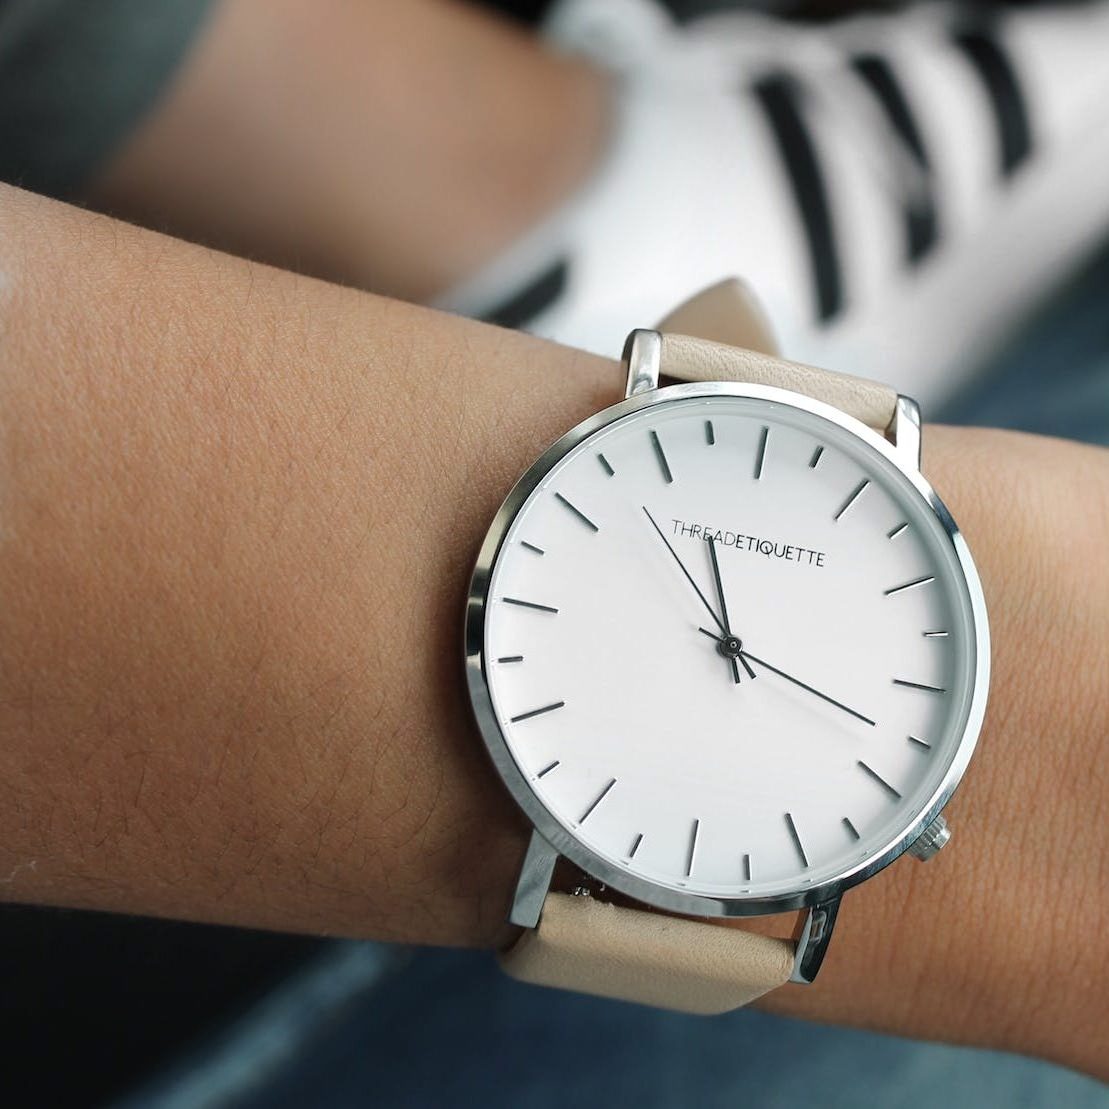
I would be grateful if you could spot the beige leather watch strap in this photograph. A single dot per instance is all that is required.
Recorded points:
(690, 359)
(734, 343)
(591, 946)
(726, 312)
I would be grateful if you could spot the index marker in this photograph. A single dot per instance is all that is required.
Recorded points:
(577, 512)
(880, 780)
(856, 492)
(660, 454)
(918, 685)
(600, 797)
(762, 453)
(536, 712)
(909, 585)
(796, 840)
(529, 604)
(692, 848)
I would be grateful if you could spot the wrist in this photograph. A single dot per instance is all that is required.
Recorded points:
(240, 512)
(981, 946)
(238, 636)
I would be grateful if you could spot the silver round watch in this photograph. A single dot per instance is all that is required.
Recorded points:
(726, 646)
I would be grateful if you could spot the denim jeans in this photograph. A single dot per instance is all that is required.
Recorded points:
(370, 1025)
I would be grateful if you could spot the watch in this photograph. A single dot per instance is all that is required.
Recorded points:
(729, 653)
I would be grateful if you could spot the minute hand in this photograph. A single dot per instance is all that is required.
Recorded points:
(815, 692)
(688, 576)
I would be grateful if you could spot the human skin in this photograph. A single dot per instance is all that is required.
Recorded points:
(238, 511)
(391, 146)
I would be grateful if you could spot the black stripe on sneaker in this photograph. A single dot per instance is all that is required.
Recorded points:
(779, 95)
(537, 295)
(920, 216)
(999, 79)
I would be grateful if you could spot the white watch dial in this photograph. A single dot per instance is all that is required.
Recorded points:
(740, 747)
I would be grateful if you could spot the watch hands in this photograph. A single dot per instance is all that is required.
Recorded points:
(735, 651)
(688, 576)
(789, 678)
(733, 659)
(822, 696)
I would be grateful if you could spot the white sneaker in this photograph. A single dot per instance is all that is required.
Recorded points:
(900, 189)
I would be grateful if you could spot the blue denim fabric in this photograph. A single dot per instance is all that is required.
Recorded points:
(1054, 377)
(373, 1026)
(449, 1030)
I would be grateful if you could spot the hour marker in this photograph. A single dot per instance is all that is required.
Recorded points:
(537, 712)
(692, 847)
(528, 604)
(532, 547)
(600, 797)
(814, 461)
(895, 532)
(918, 685)
(851, 830)
(511, 658)
(935, 635)
(908, 585)
(710, 433)
(920, 742)
(547, 769)
(660, 454)
(762, 453)
(880, 780)
(796, 839)
(747, 868)
(851, 499)
(606, 465)
(635, 845)
(577, 512)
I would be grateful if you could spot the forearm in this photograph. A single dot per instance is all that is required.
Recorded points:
(238, 512)
(296, 134)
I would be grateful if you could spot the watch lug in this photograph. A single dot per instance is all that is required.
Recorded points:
(904, 431)
(642, 356)
(533, 883)
(813, 944)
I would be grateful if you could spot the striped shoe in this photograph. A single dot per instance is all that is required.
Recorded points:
(900, 189)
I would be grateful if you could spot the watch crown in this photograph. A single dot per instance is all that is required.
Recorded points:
(931, 840)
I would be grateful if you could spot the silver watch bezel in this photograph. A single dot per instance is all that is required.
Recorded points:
(563, 841)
